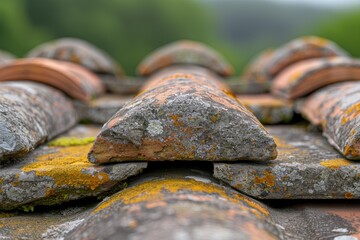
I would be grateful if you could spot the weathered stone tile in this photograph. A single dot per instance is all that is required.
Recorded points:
(183, 113)
(72, 79)
(307, 219)
(5, 57)
(60, 172)
(242, 86)
(124, 86)
(255, 77)
(53, 224)
(268, 108)
(100, 110)
(307, 76)
(270, 63)
(80, 52)
(336, 109)
(307, 167)
(187, 207)
(31, 113)
(185, 52)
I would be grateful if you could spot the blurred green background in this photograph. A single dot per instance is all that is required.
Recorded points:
(129, 29)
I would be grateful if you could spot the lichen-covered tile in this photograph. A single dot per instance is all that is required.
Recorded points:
(77, 51)
(6, 57)
(336, 108)
(31, 114)
(70, 78)
(183, 113)
(307, 76)
(254, 78)
(100, 110)
(185, 52)
(327, 219)
(51, 224)
(307, 167)
(268, 108)
(186, 207)
(270, 63)
(60, 172)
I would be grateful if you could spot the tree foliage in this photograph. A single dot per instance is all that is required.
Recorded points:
(343, 29)
(126, 29)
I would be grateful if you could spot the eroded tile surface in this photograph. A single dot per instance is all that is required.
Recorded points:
(102, 109)
(183, 113)
(268, 108)
(336, 109)
(307, 167)
(31, 113)
(191, 207)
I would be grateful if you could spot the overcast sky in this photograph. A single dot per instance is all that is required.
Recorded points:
(328, 3)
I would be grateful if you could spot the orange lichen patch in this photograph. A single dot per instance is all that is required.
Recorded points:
(156, 190)
(349, 195)
(175, 118)
(335, 164)
(265, 100)
(66, 168)
(268, 179)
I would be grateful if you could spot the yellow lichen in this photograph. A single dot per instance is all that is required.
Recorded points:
(7, 215)
(154, 191)
(334, 164)
(281, 143)
(71, 141)
(66, 168)
(268, 179)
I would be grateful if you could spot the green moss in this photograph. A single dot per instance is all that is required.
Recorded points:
(71, 141)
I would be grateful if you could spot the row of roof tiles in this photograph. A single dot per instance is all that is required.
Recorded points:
(184, 111)
(296, 69)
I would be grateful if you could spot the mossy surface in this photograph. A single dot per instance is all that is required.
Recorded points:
(71, 141)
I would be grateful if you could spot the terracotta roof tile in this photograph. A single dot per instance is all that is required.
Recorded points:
(72, 79)
(185, 52)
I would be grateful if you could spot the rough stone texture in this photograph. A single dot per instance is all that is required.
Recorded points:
(270, 63)
(185, 52)
(49, 225)
(268, 108)
(186, 204)
(101, 109)
(338, 220)
(248, 87)
(31, 113)
(178, 207)
(336, 109)
(57, 174)
(122, 85)
(307, 76)
(254, 74)
(5, 57)
(80, 52)
(183, 113)
(70, 78)
(307, 167)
